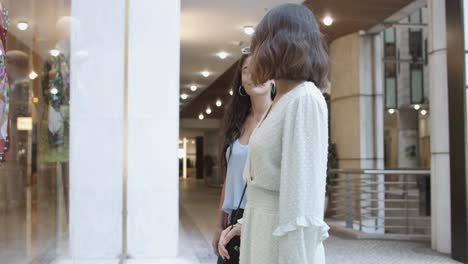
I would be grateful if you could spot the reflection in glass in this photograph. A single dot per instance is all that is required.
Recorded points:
(35, 96)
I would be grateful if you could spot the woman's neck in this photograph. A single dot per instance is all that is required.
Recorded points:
(283, 86)
(260, 104)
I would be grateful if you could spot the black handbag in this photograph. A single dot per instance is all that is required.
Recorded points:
(233, 247)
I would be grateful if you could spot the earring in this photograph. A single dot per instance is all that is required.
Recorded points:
(240, 91)
(273, 88)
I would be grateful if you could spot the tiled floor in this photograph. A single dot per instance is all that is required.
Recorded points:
(199, 203)
(38, 235)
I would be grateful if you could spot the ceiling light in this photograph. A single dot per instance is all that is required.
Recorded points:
(249, 30)
(222, 55)
(208, 110)
(201, 116)
(54, 52)
(423, 112)
(33, 75)
(193, 88)
(391, 111)
(219, 103)
(22, 26)
(416, 107)
(193, 142)
(205, 73)
(231, 92)
(327, 20)
(184, 96)
(54, 90)
(180, 141)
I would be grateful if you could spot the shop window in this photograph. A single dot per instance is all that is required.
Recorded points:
(390, 68)
(417, 83)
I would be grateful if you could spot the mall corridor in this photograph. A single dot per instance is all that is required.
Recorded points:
(197, 213)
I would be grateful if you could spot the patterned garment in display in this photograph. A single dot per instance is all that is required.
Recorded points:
(54, 126)
(286, 175)
(4, 87)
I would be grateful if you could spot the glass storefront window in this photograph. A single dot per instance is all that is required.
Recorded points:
(390, 68)
(417, 83)
(34, 126)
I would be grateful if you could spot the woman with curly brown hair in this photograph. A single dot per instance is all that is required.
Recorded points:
(287, 160)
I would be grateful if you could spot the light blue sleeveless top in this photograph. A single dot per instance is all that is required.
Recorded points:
(234, 177)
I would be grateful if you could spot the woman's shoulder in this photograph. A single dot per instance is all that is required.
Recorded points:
(307, 93)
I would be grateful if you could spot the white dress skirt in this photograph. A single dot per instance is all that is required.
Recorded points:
(286, 175)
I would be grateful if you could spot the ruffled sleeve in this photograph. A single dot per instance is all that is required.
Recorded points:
(301, 228)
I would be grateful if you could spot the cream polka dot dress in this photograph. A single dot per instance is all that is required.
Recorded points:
(286, 175)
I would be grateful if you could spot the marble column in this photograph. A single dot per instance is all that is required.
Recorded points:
(153, 131)
(96, 139)
(438, 97)
(356, 101)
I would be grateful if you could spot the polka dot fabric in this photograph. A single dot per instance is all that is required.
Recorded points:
(286, 175)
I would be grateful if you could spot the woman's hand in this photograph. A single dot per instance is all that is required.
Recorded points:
(215, 241)
(222, 223)
(225, 237)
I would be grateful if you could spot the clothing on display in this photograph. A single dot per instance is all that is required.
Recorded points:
(54, 126)
(4, 87)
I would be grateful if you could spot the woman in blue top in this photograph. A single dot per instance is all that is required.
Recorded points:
(248, 104)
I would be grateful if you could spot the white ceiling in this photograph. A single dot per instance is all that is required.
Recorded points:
(211, 26)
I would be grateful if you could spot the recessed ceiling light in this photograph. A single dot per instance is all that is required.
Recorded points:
(423, 112)
(327, 20)
(205, 73)
(184, 96)
(193, 142)
(54, 90)
(33, 75)
(22, 25)
(231, 92)
(416, 107)
(201, 116)
(54, 52)
(249, 30)
(391, 111)
(208, 110)
(193, 88)
(222, 55)
(219, 103)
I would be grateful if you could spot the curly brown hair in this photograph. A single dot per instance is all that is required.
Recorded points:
(288, 44)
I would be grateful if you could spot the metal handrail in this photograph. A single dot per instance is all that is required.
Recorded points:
(381, 172)
(381, 201)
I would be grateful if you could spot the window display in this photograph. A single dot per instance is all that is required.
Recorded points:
(4, 87)
(34, 125)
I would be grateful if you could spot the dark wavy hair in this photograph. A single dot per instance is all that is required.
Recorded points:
(288, 44)
(236, 113)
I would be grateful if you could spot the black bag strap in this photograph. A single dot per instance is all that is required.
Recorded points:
(240, 202)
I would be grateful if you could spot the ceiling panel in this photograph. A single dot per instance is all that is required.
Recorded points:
(349, 16)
